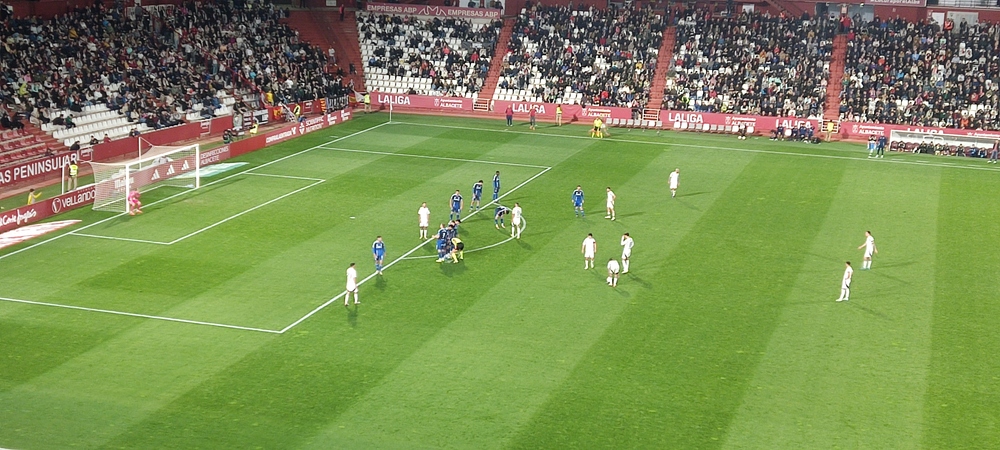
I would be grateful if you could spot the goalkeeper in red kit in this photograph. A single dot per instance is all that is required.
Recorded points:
(134, 205)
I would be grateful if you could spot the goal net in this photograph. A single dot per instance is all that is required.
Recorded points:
(156, 167)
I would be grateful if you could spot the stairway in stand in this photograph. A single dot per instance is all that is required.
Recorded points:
(323, 28)
(789, 7)
(663, 64)
(50, 142)
(831, 111)
(496, 66)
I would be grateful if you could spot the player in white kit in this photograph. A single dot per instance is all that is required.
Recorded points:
(845, 287)
(352, 285)
(870, 250)
(674, 182)
(589, 250)
(613, 269)
(515, 221)
(627, 244)
(424, 213)
(611, 204)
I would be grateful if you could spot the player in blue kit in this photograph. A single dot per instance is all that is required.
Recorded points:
(880, 147)
(378, 252)
(496, 185)
(578, 202)
(442, 237)
(498, 216)
(456, 206)
(477, 195)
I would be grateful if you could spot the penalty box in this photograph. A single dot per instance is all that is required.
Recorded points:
(172, 219)
(270, 297)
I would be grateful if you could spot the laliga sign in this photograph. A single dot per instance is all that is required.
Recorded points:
(686, 117)
(393, 99)
(527, 107)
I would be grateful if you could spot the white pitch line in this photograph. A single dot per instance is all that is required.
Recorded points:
(373, 152)
(227, 219)
(144, 316)
(317, 181)
(408, 253)
(206, 184)
(284, 176)
(143, 241)
(733, 149)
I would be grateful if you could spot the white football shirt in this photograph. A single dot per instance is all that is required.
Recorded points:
(613, 266)
(627, 244)
(352, 277)
(425, 215)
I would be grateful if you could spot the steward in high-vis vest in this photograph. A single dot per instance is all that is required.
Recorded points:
(73, 172)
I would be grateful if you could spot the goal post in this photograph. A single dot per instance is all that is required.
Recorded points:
(157, 166)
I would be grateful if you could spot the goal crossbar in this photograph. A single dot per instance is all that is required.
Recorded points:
(158, 166)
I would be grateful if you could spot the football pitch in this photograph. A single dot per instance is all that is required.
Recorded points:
(216, 318)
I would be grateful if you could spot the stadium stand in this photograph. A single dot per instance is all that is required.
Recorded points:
(448, 57)
(751, 63)
(582, 56)
(99, 73)
(901, 72)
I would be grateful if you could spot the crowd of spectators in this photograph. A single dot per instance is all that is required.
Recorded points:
(596, 56)
(451, 56)
(751, 63)
(923, 73)
(155, 64)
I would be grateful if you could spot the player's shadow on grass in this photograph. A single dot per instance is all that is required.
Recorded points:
(692, 194)
(686, 203)
(870, 311)
(636, 280)
(633, 214)
(380, 283)
(450, 269)
(352, 316)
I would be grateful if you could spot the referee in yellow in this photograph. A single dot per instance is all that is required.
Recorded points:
(596, 132)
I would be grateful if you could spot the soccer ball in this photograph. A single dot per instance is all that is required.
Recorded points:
(609, 280)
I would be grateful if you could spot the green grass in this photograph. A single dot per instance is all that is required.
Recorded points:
(724, 335)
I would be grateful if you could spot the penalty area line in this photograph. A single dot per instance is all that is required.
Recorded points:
(143, 316)
(410, 252)
(113, 238)
(442, 158)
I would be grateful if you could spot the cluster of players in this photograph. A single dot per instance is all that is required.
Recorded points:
(803, 132)
(449, 244)
(876, 147)
(589, 250)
